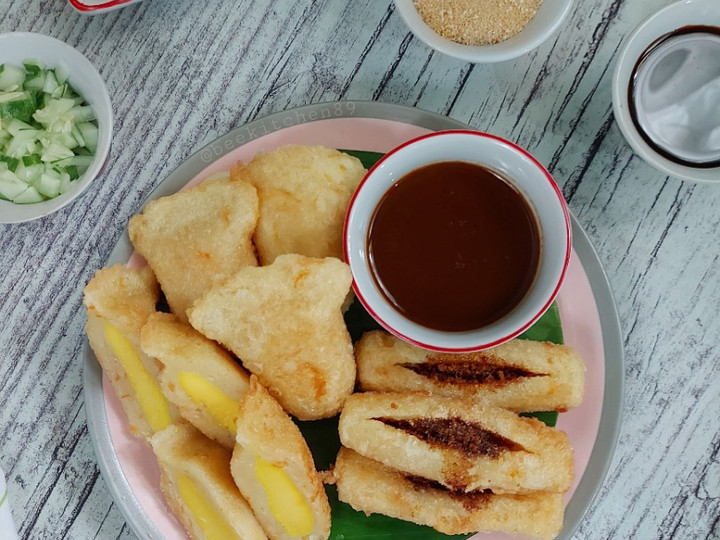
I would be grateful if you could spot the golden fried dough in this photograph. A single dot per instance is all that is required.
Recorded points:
(519, 375)
(274, 469)
(284, 322)
(119, 300)
(196, 238)
(304, 195)
(196, 482)
(370, 487)
(465, 445)
(200, 377)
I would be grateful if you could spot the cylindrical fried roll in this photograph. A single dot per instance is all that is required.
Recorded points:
(273, 468)
(201, 378)
(371, 487)
(462, 444)
(196, 482)
(520, 375)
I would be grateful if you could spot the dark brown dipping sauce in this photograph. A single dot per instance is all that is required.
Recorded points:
(453, 246)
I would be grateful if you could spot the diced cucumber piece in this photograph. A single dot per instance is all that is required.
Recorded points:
(21, 144)
(83, 114)
(10, 162)
(30, 173)
(29, 196)
(11, 77)
(55, 152)
(81, 162)
(20, 105)
(77, 135)
(90, 134)
(72, 172)
(17, 127)
(48, 185)
(10, 185)
(32, 67)
(36, 83)
(51, 83)
(57, 110)
(62, 72)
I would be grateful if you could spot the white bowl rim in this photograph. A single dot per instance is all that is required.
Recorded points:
(642, 37)
(19, 213)
(498, 52)
(495, 341)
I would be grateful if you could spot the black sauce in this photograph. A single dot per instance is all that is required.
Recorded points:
(647, 53)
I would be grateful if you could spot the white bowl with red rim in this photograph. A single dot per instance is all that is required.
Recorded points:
(519, 169)
(92, 7)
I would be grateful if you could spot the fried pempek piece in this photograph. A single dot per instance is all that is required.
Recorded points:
(284, 322)
(371, 487)
(196, 482)
(196, 238)
(201, 378)
(274, 469)
(304, 195)
(119, 300)
(463, 444)
(520, 375)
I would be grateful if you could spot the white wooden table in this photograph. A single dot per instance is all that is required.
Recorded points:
(181, 73)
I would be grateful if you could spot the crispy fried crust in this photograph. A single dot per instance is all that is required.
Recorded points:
(304, 194)
(284, 322)
(124, 298)
(520, 375)
(196, 238)
(182, 450)
(182, 349)
(265, 431)
(462, 444)
(371, 487)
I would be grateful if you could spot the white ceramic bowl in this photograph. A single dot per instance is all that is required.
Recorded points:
(548, 18)
(16, 47)
(668, 19)
(514, 164)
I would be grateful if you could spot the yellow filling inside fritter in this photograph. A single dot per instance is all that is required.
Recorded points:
(205, 394)
(286, 503)
(210, 520)
(147, 391)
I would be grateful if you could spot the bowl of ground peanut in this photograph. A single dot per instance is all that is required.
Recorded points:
(483, 31)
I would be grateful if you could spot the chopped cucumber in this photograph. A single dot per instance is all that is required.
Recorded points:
(48, 132)
(20, 105)
(11, 77)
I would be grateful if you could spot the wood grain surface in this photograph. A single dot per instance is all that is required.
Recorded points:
(182, 72)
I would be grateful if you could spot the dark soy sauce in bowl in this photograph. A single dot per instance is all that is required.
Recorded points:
(674, 96)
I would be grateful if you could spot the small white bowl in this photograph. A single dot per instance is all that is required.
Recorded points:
(512, 163)
(670, 18)
(548, 18)
(16, 47)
